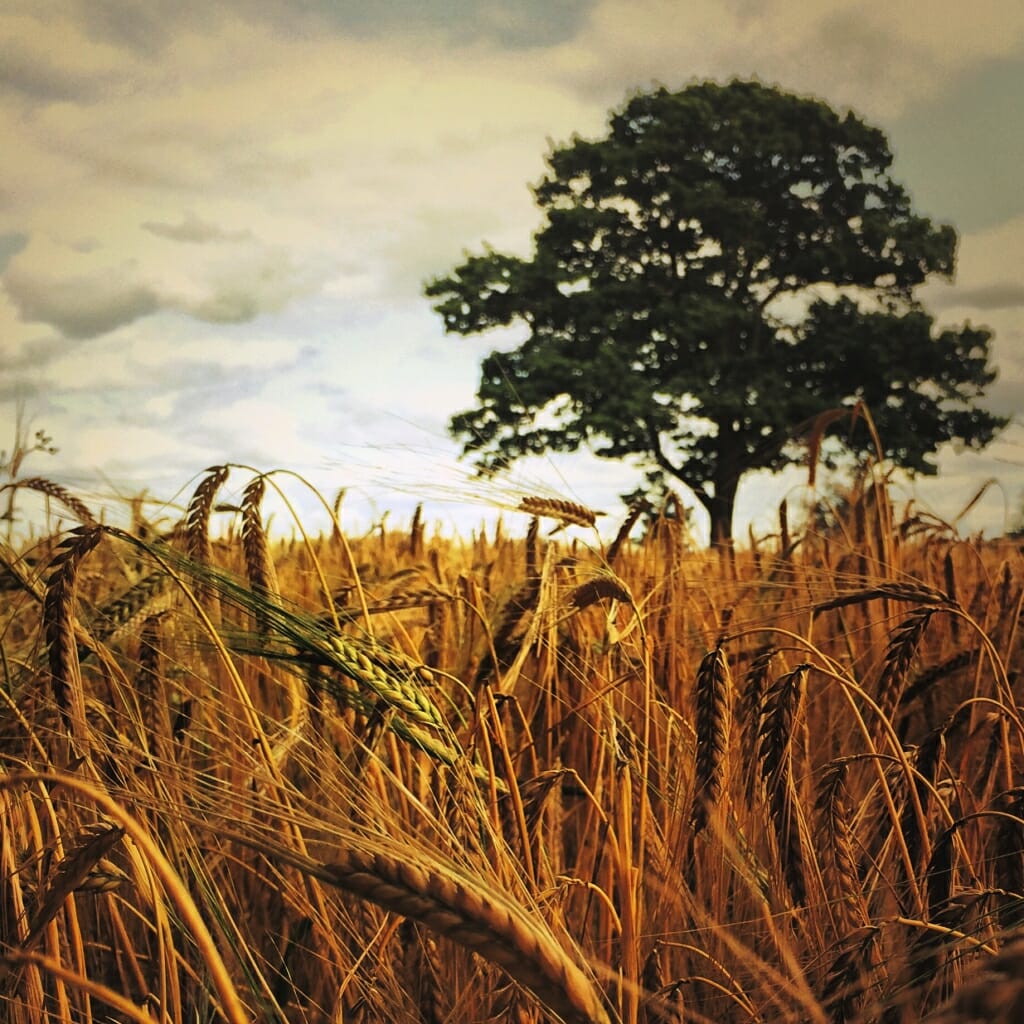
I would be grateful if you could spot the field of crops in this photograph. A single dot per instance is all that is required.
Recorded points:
(522, 776)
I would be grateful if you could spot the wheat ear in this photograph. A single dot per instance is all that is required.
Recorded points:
(483, 921)
(258, 564)
(568, 513)
(714, 689)
(59, 619)
(61, 494)
(776, 752)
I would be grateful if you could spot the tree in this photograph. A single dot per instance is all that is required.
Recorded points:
(729, 262)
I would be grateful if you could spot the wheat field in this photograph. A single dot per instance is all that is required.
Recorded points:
(524, 775)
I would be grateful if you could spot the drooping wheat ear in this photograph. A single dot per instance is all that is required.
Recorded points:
(59, 624)
(418, 597)
(58, 493)
(751, 714)
(568, 513)
(476, 917)
(636, 510)
(903, 646)
(851, 975)
(259, 566)
(197, 516)
(912, 592)
(834, 814)
(605, 585)
(782, 707)
(995, 992)
(713, 695)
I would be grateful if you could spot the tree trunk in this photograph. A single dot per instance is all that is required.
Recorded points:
(723, 503)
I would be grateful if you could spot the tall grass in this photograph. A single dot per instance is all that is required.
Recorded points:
(401, 777)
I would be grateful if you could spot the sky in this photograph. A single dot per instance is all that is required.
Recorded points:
(216, 220)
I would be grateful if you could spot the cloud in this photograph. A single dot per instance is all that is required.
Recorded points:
(10, 245)
(147, 29)
(879, 58)
(47, 57)
(84, 294)
(194, 229)
(80, 305)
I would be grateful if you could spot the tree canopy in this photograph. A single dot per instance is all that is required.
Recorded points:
(728, 263)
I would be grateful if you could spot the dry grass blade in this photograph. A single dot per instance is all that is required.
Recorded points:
(1008, 858)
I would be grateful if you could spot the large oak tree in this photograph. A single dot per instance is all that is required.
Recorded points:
(728, 263)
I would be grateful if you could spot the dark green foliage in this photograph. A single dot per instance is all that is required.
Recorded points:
(727, 264)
